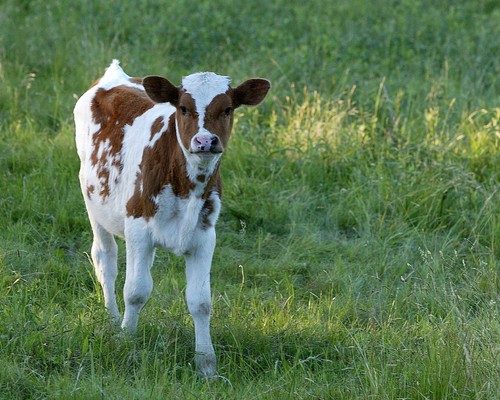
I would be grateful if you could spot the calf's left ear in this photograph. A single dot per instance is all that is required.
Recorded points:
(161, 90)
(250, 92)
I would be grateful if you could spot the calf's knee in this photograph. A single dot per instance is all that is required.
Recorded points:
(199, 309)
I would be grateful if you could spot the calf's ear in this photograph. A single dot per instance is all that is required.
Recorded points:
(251, 92)
(161, 90)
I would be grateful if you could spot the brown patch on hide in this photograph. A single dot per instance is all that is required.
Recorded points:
(164, 165)
(214, 184)
(113, 109)
(219, 118)
(201, 178)
(156, 127)
(140, 204)
(187, 119)
(90, 190)
(206, 212)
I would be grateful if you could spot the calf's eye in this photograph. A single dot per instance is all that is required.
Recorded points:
(184, 110)
(228, 111)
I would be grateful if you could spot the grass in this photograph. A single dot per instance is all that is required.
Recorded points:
(358, 246)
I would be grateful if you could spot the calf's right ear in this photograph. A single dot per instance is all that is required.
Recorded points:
(161, 90)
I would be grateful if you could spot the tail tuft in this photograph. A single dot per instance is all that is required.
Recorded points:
(114, 74)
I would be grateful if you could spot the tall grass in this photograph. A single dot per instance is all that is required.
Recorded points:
(358, 246)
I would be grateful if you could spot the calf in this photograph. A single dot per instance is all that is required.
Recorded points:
(150, 154)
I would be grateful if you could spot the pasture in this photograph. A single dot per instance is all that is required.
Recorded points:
(358, 248)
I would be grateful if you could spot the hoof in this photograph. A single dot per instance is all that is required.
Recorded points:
(206, 365)
(116, 320)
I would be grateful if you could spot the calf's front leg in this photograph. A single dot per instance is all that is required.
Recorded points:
(138, 280)
(198, 263)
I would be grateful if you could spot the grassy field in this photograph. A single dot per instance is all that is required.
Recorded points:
(358, 251)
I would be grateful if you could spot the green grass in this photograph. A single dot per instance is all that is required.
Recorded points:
(358, 248)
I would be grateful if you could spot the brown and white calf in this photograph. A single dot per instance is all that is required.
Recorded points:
(150, 154)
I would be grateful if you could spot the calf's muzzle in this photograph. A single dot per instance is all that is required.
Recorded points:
(207, 143)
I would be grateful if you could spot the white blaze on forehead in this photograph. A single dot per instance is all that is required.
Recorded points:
(204, 86)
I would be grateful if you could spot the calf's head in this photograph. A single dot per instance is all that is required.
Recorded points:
(205, 103)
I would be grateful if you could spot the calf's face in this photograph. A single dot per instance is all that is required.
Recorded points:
(205, 103)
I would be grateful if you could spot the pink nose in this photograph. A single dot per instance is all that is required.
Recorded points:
(205, 142)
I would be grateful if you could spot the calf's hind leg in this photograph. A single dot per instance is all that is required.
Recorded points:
(105, 257)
